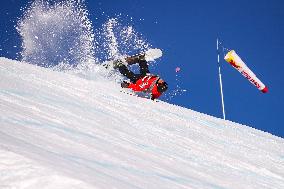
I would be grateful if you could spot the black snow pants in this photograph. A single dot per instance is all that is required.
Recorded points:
(144, 70)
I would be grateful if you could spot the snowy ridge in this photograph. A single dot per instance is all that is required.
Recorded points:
(59, 130)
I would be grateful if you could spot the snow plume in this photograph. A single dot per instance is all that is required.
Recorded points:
(115, 39)
(56, 32)
(59, 34)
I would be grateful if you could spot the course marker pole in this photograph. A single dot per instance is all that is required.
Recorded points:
(220, 81)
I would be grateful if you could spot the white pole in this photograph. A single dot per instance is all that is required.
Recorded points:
(220, 80)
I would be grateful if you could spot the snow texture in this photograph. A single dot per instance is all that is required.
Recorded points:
(60, 130)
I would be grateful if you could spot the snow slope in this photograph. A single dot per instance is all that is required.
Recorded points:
(59, 130)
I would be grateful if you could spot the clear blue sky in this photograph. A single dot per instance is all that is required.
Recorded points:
(186, 31)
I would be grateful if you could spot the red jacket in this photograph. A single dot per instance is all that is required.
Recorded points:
(146, 84)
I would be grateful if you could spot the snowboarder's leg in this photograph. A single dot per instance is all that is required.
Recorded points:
(144, 68)
(135, 59)
(140, 59)
(127, 73)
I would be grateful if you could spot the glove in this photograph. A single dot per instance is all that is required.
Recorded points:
(124, 84)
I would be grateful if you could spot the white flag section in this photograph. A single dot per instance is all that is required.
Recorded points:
(239, 65)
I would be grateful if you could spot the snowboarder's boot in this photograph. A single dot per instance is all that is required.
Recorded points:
(135, 59)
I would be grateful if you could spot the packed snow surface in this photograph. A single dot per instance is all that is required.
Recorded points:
(60, 130)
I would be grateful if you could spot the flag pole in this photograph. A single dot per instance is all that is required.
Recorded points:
(220, 81)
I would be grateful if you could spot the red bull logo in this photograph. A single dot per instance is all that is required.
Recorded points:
(234, 64)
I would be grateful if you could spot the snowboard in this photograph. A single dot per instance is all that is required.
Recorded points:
(150, 55)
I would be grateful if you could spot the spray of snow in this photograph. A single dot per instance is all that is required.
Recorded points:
(56, 33)
(114, 40)
(60, 35)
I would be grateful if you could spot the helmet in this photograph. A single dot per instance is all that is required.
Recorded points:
(162, 86)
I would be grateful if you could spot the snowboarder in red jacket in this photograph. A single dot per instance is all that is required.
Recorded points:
(143, 82)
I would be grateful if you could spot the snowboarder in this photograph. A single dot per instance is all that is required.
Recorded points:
(143, 82)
